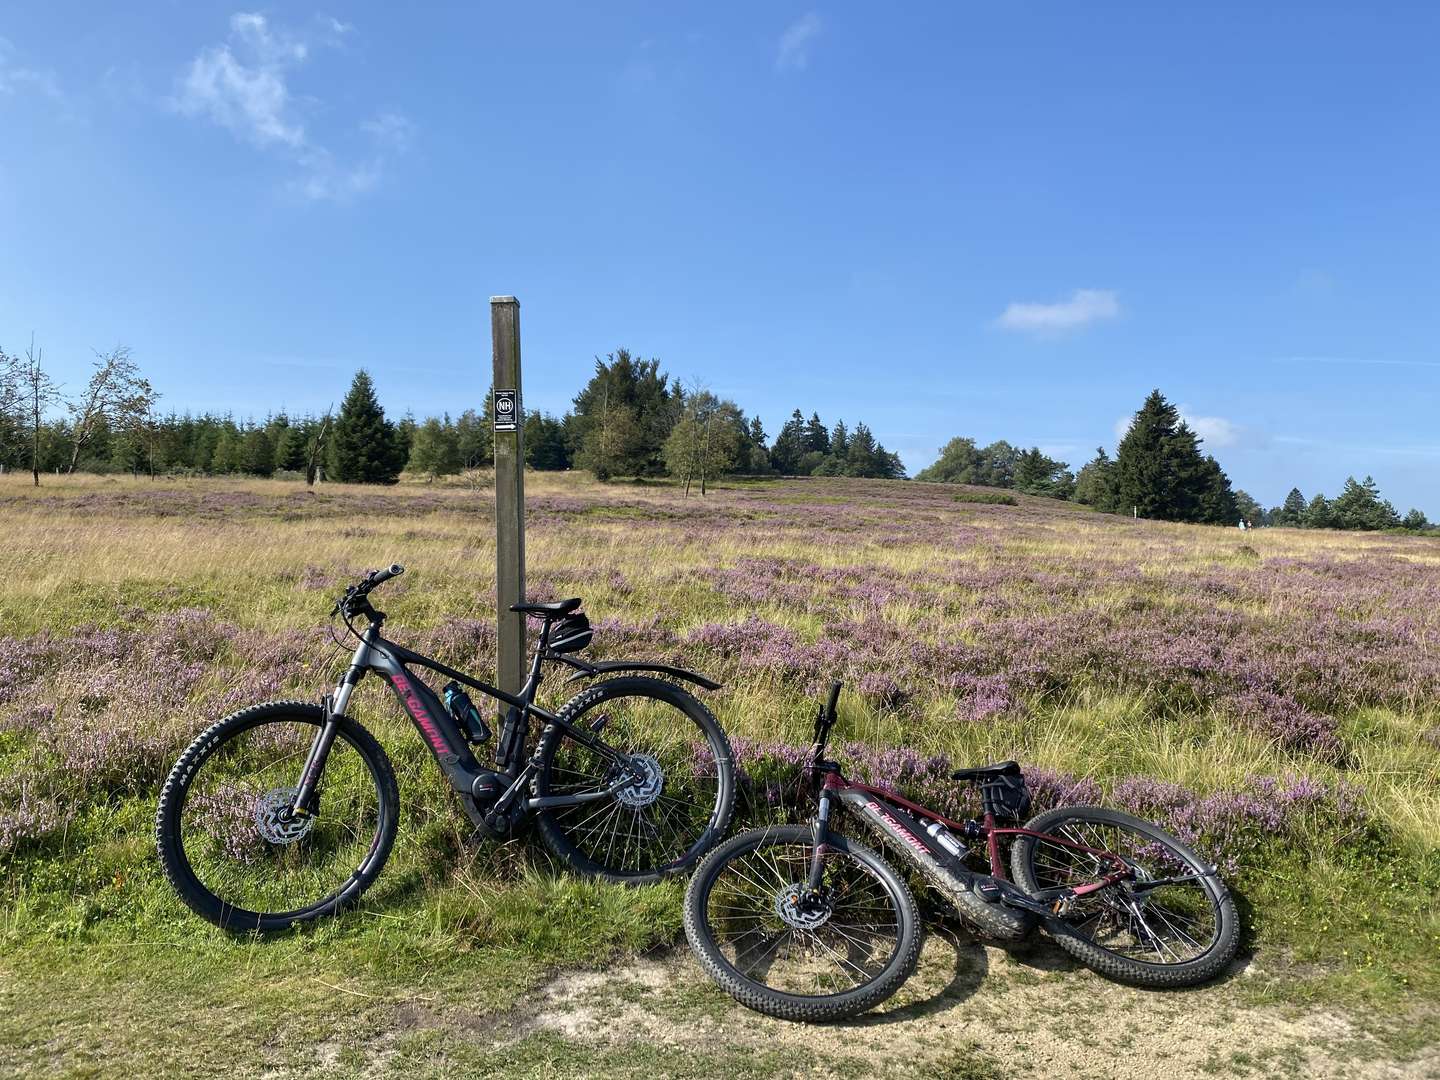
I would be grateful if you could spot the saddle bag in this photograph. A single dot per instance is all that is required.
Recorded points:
(571, 634)
(1006, 797)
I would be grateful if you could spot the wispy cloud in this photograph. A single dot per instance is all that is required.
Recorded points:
(250, 96)
(1084, 306)
(792, 53)
(16, 79)
(243, 85)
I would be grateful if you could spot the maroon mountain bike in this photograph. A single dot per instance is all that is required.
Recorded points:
(803, 923)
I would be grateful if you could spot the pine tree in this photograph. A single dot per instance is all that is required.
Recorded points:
(546, 446)
(817, 438)
(229, 456)
(1292, 513)
(1318, 514)
(258, 453)
(1415, 520)
(1161, 472)
(1359, 506)
(1217, 504)
(860, 457)
(623, 417)
(1093, 485)
(294, 445)
(475, 438)
(434, 449)
(364, 448)
(839, 440)
(789, 446)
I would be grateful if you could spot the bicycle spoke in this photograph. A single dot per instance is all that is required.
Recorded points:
(850, 943)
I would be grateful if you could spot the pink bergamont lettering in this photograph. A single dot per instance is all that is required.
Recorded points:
(416, 708)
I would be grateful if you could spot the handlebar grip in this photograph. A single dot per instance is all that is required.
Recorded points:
(393, 570)
(834, 700)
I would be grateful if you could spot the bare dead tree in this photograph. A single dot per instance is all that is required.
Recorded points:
(116, 395)
(37, 392)
(317, 447)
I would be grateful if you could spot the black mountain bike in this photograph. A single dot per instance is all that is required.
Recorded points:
(285, 812)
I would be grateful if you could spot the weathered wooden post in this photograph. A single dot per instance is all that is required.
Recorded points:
(509, 492)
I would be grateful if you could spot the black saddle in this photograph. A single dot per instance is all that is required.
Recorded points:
(988, 772)
(556, 607)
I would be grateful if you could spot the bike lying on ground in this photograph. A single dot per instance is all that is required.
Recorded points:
(803, 923)
(286, 812)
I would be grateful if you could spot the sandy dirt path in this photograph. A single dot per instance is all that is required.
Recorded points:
(971, 1011)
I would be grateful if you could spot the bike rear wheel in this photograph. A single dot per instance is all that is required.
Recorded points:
(227, 842)
(1179, 933)
(648, 828)
(779, 949)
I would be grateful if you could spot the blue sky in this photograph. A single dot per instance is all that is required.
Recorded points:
(994, 220)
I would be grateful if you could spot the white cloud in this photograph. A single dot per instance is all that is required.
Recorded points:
(793, 50)
(1215, 430)
(251, 98)
(243, 85)
(391, 130)
(16, 79)
(1084, 306)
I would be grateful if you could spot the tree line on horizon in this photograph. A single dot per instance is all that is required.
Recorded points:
(630, 420)
(1159, 471)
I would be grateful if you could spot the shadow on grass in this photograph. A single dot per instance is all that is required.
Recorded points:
(970, 969)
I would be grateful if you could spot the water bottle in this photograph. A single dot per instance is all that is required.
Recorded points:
(465, 713)
(945, 838)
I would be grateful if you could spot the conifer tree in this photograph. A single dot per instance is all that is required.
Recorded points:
(1293, 511)
(817, 437)
(364, 448)
(1093, 485)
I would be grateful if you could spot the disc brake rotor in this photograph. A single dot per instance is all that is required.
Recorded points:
(646, 790)
(795, 909)
(274, 820)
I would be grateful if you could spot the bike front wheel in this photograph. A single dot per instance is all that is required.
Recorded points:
(226, 839)
(781, 948)
(1172, 923)
(654, 807)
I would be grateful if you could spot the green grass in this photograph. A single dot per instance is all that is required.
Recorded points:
(104, 972)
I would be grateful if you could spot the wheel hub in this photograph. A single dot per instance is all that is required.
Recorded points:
(276, 822)
(644, 791)
(800, 908)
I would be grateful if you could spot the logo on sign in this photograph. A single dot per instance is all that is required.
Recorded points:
(507, 409)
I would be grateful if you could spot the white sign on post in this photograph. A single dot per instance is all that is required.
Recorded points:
(507, 410)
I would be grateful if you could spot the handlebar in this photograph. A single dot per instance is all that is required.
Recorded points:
(354, 602)
(379, 577)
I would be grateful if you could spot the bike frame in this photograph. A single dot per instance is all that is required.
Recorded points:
(500, 791)
(890, 814)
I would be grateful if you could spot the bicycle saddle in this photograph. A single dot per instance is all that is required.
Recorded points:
(556, 607)
(986, 772)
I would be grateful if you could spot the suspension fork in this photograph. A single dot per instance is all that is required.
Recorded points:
(820, 836)
(334, 706)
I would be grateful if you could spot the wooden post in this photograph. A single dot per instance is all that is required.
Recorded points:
(509, 492)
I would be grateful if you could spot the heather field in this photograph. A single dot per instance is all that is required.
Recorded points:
(1271, 696)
